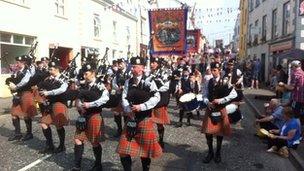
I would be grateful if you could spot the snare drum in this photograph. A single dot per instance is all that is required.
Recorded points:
(189, 102)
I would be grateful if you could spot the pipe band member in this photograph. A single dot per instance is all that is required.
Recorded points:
(23, 101)
(160, 112)
(54, 110)
(139, 138)
(89, 103)
(215, 121)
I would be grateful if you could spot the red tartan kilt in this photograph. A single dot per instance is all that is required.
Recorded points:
(160, 115)
(93, 131)
(222, 128)
(145, 144)
(27, 107)
(59, 116)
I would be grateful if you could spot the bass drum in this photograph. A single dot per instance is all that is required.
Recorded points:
(189, 102)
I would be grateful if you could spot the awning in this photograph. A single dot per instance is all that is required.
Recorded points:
(294, 54)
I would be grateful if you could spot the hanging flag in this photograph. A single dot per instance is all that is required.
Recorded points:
(168, 30)
(193, 40)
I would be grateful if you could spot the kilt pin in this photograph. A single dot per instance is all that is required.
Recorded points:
(144, 144)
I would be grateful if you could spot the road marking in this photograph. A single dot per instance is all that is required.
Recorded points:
(35, 163)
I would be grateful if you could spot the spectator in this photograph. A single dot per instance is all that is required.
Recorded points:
(256, 67)
(288, 136)
(275, 119)
(297, 87)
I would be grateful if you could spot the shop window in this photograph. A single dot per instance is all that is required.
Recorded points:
(97, 26)
(5, 37)
(29, 40)
(18, 39)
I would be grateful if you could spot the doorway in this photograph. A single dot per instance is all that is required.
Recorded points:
(64, 54)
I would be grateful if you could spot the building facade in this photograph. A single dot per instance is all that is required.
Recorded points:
(271, 30)
(71, 26)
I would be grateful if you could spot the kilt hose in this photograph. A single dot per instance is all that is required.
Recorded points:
(26, 108)
(160, 115)
(220, 129)
(93, 131)
(144, 144)
(58, 115)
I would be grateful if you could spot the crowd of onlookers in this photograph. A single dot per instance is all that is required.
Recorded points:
(284, 114)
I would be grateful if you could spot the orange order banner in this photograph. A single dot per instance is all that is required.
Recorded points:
(168, 31)
(193, 40)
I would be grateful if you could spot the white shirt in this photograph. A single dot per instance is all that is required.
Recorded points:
(151, 103)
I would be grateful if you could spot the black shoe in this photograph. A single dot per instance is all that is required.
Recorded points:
(59, 149)
(97, 167)
(188, 124)
(179, 124)
(27, 136)
(15, 137)
(208, 158)
(47, 150)
(217, 158)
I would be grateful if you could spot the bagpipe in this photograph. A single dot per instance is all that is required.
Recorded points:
(66, 74)
(103, 64)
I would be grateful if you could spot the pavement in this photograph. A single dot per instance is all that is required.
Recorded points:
(255, 98)
(185, 147)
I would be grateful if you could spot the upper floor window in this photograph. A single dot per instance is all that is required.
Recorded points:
(264, 27)
(250, 5)
(114, 27)
(97, 26)
(286, 18)
(274, 33)
(59, 6)
(257, 3)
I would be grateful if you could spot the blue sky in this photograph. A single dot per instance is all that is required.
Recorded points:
(215, 17)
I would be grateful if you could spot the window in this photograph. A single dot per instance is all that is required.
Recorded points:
(264, 28)
(5, 37)
(257, 3)
(250, 5)
(114, 30)
(250, 33)
(286, 18)
(274, 33)
(128, 34)
(29, 40)
(256, 32)
(18, 39)
(97, 26)
(59, 6)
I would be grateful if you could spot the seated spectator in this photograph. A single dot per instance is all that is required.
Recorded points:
(288, 136)
(275, 118)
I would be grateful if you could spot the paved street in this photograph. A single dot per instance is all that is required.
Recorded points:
(185, 148)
